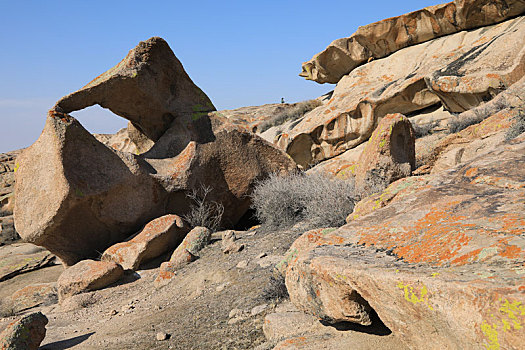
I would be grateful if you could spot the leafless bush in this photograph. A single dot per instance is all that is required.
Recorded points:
(202, 211)
(318, 200)
(275, 289)
(424, 129)
(457, 123)
(293, 113)
(7, 308)
(518, 127)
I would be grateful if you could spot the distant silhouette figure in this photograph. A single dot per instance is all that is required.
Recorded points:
(282, 99)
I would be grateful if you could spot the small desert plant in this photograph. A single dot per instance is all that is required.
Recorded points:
(457, 123)
(7, 308)
(293, 113)
(275, 290)
(518, 127)
(421, 130)
(204, 212)
(318, 200)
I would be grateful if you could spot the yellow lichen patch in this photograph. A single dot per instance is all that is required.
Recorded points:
(415, 295)
(509, 317)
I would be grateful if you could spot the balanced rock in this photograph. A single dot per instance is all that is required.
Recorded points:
(388, 156)
(149, 87)
(382, 38)
(156, 238)
(25, 334)
(87, 275)
(458, 71)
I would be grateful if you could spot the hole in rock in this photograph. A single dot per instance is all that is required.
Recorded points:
(98, 120)
(247, 221)
(376, 328)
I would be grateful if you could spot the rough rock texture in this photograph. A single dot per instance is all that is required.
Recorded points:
(7, 180)
(446, 262)
(34, 295)
(382, 38)
(156, 238)
(186, 252)
(75, 196)
(458, 71)
(24, 334)
(19, 258)
(388, 156)
(150, 88)
(87, 275)
(343, 166)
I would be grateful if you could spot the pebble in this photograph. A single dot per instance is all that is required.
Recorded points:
(242, 264)
(262, 255)
(162, 336)
(258, 309)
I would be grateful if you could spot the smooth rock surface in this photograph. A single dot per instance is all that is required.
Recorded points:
(156, 238)
(87, 275)
(380, 39)
(458, 71)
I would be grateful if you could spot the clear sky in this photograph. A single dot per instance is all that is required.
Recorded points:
(241, 53)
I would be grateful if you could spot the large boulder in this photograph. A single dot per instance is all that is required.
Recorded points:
(389, 155)
(458, 71)
(156, 238)
(150, 88)
(380, 39)
(76, 196)
(445, 255)
(24, 334)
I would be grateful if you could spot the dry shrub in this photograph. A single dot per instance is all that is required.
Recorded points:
(421, 130)
(319, 200)
(7, 308)
(293, 113)
(457, 123)
(275, 290)
(518, 127)
(203, 212)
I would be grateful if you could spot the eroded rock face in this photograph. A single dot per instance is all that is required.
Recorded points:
(87, 275)
(8, 233)
(388, 156)
(75, 196)
(382, 38)
(445, 254)
(150, 88)
(458, 71)
(24, 334)
(156, 238)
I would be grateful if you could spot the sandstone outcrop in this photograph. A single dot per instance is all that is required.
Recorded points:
(445, 254)
(24, 334)
(388, 156)
(7, 180)
(380, 39)
(87, 275)
(77, 196)
(156, 238)
(150, 88)
(458, 71)
(19, 258)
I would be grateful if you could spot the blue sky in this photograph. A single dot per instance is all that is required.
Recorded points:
(241, 53)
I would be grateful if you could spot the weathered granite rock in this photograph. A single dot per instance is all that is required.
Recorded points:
(156, 238)
(388, 156)
(150, 88)
(380, 39)
(343, 166)
(34, 295)
(447, 255)
(76, 196)
(24, 334)
(8, 233)
(458, 71)
(87, 275)
(19, 258)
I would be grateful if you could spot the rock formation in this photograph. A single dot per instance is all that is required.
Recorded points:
(380, 39)
(7, 180)
(458, 71)
(24, 334)
(76, 196)
(388, 156)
